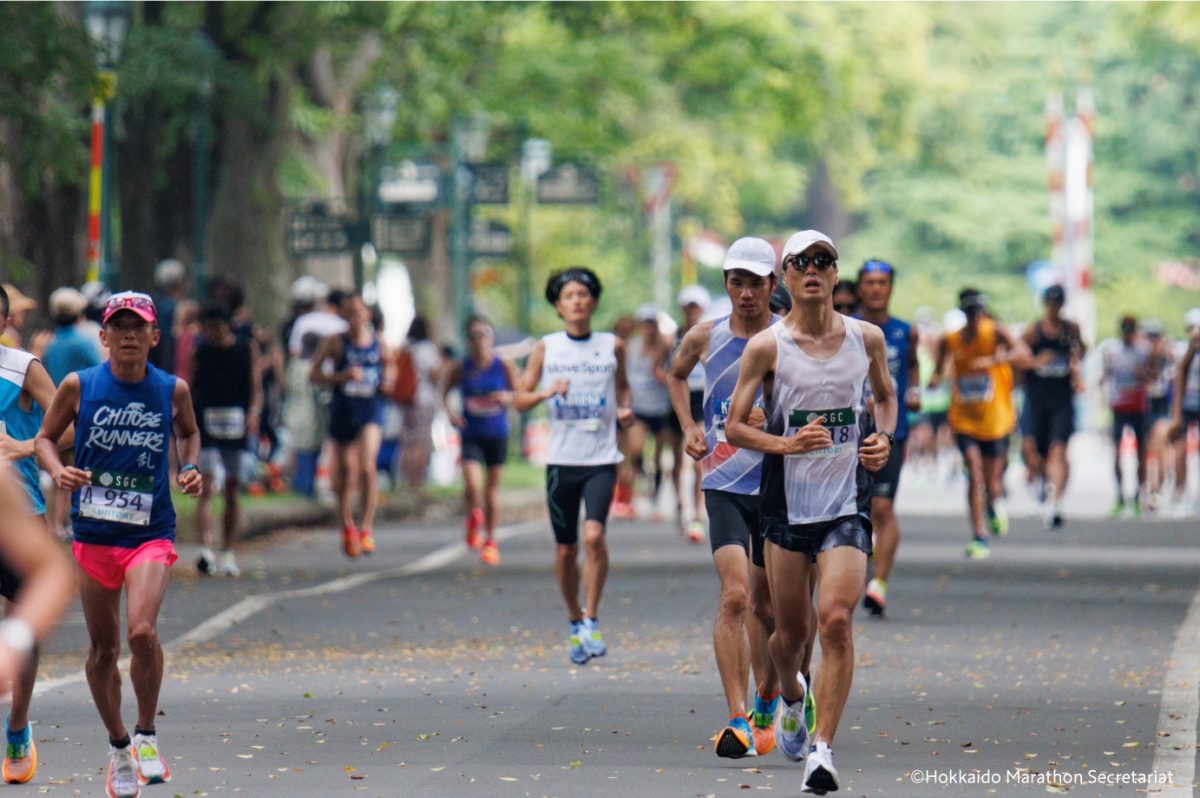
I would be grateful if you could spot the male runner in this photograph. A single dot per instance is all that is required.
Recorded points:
(812, 368)
(124, 412)
(694, 301)
(26, 390)
(582, 374)
(1129, 368)
(875, 281)
(1057, 348)
(731, 483)
(646, 357)
(981, 412)
(1185, 408)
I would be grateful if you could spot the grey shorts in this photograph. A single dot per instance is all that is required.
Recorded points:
(213, 460)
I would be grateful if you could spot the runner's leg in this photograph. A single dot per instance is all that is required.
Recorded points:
(369, 440)
(841, 573)
(145, 586)
(787, 574)
(730, 642)
(101, 613)
(491, 500)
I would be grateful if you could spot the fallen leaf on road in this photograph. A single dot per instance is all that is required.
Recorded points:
(574, 763)
(506, 778)
(1130, 744)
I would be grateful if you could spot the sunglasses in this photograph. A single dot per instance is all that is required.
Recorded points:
(881, 266)
(132, 301)
(822, 261)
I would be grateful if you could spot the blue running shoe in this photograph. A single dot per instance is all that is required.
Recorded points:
(791, 735)
(593, 641)
(575, 644)
(736, 740)
(764, 711)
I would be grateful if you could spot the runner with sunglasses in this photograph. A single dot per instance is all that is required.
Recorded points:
(811, 369)
(582, 378)
(875, 281)
(124, 412)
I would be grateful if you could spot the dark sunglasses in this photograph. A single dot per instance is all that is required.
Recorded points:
(881, 266)
(822, 261)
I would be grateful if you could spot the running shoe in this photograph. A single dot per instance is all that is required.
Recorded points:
(1154, 502)
(791, 735)
(593, 641)
(622, 510)
(1117, 509)
(736, 740)
(152, 768)
(474, 522)
(1136, 506)
(122, 781)
(490, 553)
(207, 563)
(810, 709)
(997, 519)
(977, 549)
(350, 541)
(228, 565)
(575, 644)
(762, 723)
(875, 599)
(20, 758)
(695, 532)
(820, 776)
(366, 541)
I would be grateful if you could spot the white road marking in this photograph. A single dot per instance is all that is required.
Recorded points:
(1179, 706)
(250, 606)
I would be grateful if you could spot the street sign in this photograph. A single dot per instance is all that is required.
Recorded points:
(317, 232)
(569, 185)
(489, 185)
(491, 239)
(410, 183)
(398, 234)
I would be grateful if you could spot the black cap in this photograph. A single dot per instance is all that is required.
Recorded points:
(1054, 293)
(781, 300)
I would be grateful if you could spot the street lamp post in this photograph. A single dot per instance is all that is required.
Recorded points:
(380, 108)
(107, 23)
(536, 157)
(468, 145)
(200, 165)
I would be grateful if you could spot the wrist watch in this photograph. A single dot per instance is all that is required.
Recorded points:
(891, 438)
(187, 467)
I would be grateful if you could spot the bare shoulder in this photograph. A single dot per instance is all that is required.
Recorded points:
(696, 339)
(761, 346)
(872, 333)
(182, 389)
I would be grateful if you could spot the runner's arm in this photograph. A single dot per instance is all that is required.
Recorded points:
(59, 417)
(527, 396)
(451, 378)
(939, 363)
(187, 437)
(330, 347)
(912, 397)
(40, 388)
(758, 360)
(1181, 380)
(876, 448)
(256, 392)
(687, 355)
(624, 392)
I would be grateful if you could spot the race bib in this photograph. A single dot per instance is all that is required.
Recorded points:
(1060, 366)
(482, 406)
(720, 414)
(361, 389)
(581, 411)
(842, 424)
(225, 423)
(974, 388)
(118, 498)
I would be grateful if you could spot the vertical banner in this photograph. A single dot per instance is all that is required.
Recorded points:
(658, 181)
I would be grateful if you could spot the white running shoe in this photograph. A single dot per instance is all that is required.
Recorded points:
(207, 563)
(228, 566)
(791, 733)
(152, 768)
(122, 780)
(820, 776)
(592, 640)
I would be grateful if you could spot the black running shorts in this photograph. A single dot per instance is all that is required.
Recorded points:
(1050, 421)
(567, 486)
(491, 451)
(1135, 421)
(989, 449)
(886, 481)
(812, 539)
(733, 521)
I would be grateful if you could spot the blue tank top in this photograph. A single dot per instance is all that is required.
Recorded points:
(365, 390)
(20, 424)
(485, 418)
(122, 435)
(897, 335)
(726, 467)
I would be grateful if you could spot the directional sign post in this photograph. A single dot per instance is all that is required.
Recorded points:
(400, 234)
(569, 185)
(410, 183)
(489, 185)
(491, 239)
(317, 232)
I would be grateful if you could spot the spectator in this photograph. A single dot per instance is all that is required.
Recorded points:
(71, 347)
(19, 307)
(169, 276)
(187, 328)
(304, 415)
(418, 414)
(323, 320)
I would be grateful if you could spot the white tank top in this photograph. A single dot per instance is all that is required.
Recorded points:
(650, 397)
(583, 423)
(820, 485)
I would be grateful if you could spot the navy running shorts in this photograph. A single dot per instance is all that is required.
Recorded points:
(733, 521)
(491, 451)
(567, 486)
(886, 481)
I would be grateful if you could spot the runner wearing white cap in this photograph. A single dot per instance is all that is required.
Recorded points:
(694, 301)
(811, 369)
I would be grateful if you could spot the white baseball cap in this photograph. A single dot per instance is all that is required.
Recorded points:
(694, 295)
(1191, 318)
(806, 238)
(647, 311)
(751, 254)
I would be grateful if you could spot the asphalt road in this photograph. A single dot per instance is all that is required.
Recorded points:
(421, 672)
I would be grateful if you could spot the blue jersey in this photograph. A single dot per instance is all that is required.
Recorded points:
(122, 435)
(20, 424)
(726, 467)
(897, 334)
(485, 417)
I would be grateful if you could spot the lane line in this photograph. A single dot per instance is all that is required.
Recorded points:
(1179, 707)
(250, 606)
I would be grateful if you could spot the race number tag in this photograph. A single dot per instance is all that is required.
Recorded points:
(1060, 366)
(119, 498)
(361, 389)
(483, 406)
(225, 423)
(721, 414)
(842, 424)
(581, 411)
(973, 388)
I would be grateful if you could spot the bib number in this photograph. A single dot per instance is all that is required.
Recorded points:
(974, 388)
(361, 389)
(482, 406)
(121, 505)
(842, 424)
(225, 423)
(1059, 367)
(581, 411)
(721, 415)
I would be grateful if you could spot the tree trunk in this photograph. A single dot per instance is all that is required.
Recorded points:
(825, 210)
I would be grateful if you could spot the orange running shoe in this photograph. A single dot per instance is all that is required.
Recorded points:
(350, 541)
(474, 522)
(20, 759)
(490, 554)
(366, 541)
